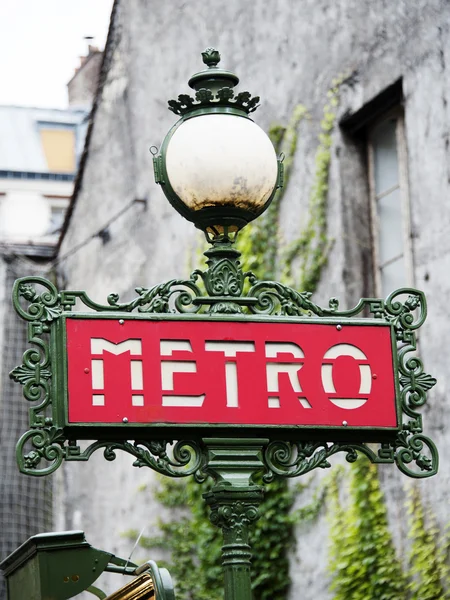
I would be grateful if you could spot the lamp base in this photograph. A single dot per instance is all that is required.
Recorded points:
(213, 220)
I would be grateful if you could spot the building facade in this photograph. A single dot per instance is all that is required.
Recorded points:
(38, 163)
(386, 211)
(40, 149)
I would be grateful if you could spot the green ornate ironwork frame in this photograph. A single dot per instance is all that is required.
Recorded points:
(223, 290)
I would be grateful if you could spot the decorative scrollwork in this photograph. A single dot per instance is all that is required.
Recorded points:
(273, 297)
(157, 299)
(186, 459)
(205, 97)
(294, 459)
(418, 449)
(47, 445)
(401, 314)
(186, 456)
(35, 372)
(42, 307)
(288, 459)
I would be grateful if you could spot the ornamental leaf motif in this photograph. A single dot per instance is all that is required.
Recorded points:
(252, 105)
(271, 294)
(424, 463)
(204, 95)
(50, 313)
(157, 298)
(24, 374)
(287, 459)
(224, 279)
(236, 516)
(185, 100)
(175, 107)
(225, 308)
(423, 380)
(225, 94)
(243, 98)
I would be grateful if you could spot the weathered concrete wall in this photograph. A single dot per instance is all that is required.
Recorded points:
(288, 52)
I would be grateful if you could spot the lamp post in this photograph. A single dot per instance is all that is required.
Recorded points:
(300, 407)
(219, 170)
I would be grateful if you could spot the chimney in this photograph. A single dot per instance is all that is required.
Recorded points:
(84, 82)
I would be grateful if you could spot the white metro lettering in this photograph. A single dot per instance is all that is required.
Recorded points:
(274, 369)
(347, 386)
(230, 349)
(134, 347)
(327, 375)
(170, 367)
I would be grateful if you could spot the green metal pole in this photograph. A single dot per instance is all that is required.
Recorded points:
(234, 502)
(234, 512)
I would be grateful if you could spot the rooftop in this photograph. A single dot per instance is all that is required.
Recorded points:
(21, 146)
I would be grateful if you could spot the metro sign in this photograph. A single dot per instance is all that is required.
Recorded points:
(198, 373)
(265, 366)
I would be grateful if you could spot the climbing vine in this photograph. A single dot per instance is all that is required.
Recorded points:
(259, 241)
(309, 252)
(429, 571)
(363, 563)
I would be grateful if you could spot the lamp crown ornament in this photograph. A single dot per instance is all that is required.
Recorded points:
(214, 88)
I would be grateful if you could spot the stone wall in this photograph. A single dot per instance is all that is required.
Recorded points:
(289, 53)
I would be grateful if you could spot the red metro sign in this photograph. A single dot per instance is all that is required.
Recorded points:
(198, 373)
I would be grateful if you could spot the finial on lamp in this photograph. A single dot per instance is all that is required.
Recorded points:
(211, 57)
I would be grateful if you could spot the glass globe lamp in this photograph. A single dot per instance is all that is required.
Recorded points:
(216, 166)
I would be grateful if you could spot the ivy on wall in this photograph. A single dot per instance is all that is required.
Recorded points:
(429, 571)
(363, 563)
(259, 241)
(309, 252)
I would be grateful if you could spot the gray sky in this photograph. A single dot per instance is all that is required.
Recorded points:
(40, 45)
